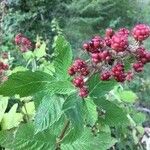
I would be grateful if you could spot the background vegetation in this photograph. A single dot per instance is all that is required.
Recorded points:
(78, 21)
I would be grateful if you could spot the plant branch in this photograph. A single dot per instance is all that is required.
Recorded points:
(62, 134)
(64, 130)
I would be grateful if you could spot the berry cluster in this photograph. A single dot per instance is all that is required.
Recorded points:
(107, 57)
(80, 70)
(3, 68)
(23, 42)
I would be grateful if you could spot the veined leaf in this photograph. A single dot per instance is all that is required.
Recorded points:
(27, 83)
(63, 58)
(49, 111)
(114, 115)
(24, 138)
(73, 108)
(88, 142)
(99, 88)
(90, 111)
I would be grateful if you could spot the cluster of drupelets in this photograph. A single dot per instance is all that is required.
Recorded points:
(23, 43)
(3, 67)
(108, 54)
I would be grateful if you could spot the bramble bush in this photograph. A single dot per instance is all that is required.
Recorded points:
(61, 104)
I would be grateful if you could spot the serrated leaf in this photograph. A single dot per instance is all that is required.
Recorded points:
(90, 112)
(27, 83)
(49, 112)
(87, 141)
(11, 119)
(99, 88)
(63, 58)
(114, 115)
(24, 138)
(73, 109)
(3, 106)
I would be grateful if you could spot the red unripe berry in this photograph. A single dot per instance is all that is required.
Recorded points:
(105, 55)
(148, 56)
(123, 32)
(119, 43)
(138, 66)
(78, 82)
(95, 57)
(105, 75)
(121, 77)
(18, 38)
(141, 32)
(83, 92)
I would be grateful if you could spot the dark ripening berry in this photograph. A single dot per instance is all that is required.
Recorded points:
(79, 64)
(78, 82)
(105, 75)
(118, 72)
(83, 92)
(95, 57)
(138, 66)
(109, 32)
(71, 71)
(141, 32)
(119, 43)
(105, 55)
(84, 71)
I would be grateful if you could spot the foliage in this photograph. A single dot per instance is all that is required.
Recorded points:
(59, 117)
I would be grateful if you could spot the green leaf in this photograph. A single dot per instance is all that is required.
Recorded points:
(29, 108)
(49, 112)
(27, 83)
(139, 117)
(63, 58)
(28, 55)
(41, 51)
(11, 119)
(90, 112)
(73, 108)
(99, 88)
(87, 141)
(114, 115)
(24, 138)
(128, 96)
(3, 106)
